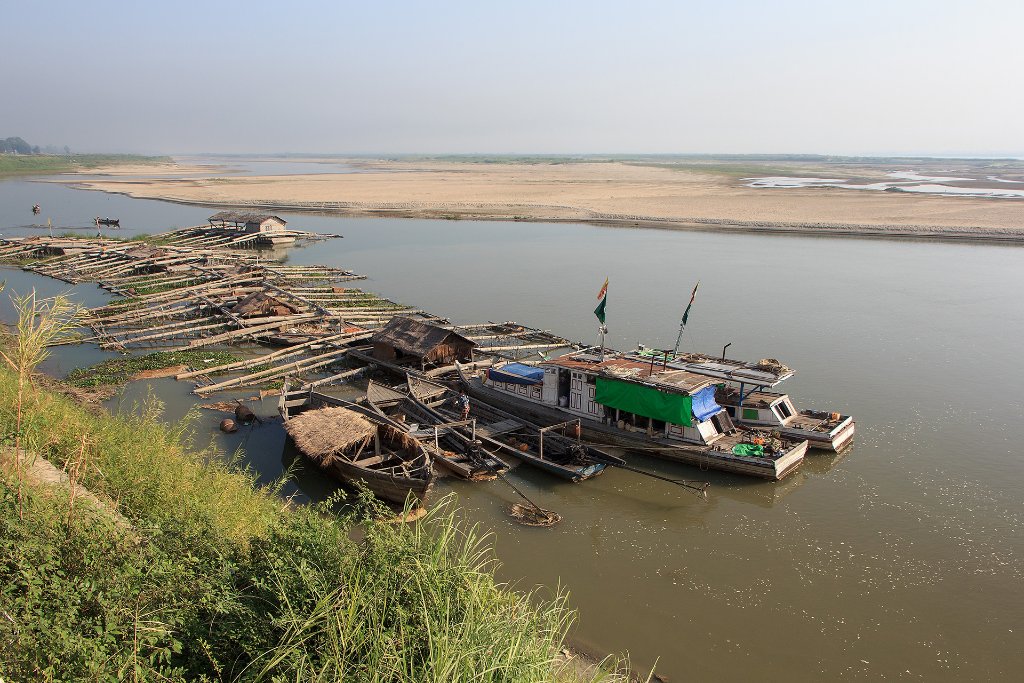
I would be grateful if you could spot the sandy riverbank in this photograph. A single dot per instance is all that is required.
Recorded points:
(603, 192)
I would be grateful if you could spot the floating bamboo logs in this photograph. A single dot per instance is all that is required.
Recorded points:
(275, 372)
(246, 331)
(298, 349)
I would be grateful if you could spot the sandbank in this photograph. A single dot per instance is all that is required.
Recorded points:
(611, 193)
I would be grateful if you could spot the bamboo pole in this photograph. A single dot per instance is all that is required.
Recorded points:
(274, 373)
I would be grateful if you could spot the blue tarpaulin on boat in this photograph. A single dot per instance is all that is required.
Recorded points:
(704, 405)
(516, 373)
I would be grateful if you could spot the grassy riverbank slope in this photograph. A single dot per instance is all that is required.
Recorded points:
(42, 164)
(182, 569)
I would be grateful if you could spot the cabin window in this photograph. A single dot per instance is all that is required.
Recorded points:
(658, 426)
(783, 410)
(750, 414)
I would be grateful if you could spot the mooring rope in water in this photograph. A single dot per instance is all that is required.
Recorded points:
(535, 515)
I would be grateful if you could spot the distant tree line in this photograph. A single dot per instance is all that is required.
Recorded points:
(17, 145)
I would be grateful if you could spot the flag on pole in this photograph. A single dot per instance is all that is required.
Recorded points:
(603, 296)
(686, 313)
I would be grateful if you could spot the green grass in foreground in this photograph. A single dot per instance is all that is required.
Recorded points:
(212, 578)
(117, 371)
(14, 164)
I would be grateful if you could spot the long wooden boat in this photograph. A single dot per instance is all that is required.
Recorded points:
(452, 443)
(556, 451)
(356, 444)
(565, 388)
(749, 402)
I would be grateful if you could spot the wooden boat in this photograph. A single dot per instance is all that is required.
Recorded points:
(748, 401)
(356, 444)
(555, 449)
(111, 222)
(682, 421)
(452, 443)
(829, 431)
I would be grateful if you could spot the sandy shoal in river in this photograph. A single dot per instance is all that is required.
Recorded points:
(614, 192)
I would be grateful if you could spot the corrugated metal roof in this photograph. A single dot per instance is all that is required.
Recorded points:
(632, 369)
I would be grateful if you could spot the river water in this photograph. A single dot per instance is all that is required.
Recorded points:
(900, 560)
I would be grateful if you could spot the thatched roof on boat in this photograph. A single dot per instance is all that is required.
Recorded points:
(259, 304)
(325, 433)
(418, 338)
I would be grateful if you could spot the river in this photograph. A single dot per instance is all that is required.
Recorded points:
(900, 560)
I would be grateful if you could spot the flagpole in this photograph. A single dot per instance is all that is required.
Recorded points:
(602, 297)
(682, 322)
(679, 338)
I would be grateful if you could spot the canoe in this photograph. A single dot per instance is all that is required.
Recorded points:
(451, 443)
(556, 451)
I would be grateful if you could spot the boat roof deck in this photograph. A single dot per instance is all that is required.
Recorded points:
(760, 373)
(633, 369)
(754, 399)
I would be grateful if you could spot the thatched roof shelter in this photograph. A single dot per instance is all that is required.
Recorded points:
(259, 304)
(326, 433)
(422, 340)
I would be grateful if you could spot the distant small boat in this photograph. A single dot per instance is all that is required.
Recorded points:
(355, 444)
(36, 209)
(110, 222)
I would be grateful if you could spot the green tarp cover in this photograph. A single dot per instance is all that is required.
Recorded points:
(645, 401)
(750, 449)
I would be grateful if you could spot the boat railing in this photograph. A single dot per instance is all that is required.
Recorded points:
(540, 446)
(451, 425)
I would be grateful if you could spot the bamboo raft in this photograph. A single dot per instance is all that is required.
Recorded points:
(188, 290)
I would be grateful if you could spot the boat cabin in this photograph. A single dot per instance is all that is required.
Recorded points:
(759, 407)
(624, 392)
(409, 340)
(248, 222)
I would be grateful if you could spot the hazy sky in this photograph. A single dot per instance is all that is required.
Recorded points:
(857, 77)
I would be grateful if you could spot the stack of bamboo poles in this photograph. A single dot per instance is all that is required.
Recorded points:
(181, 295)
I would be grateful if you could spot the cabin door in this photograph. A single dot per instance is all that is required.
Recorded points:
(549, 390)
(576, 388)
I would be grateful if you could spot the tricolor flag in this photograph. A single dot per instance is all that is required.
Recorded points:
(603, 296)
(686, 313)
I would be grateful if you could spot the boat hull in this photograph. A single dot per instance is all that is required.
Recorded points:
(390, 488)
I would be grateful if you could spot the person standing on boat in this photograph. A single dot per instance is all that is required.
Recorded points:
(464, 403)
